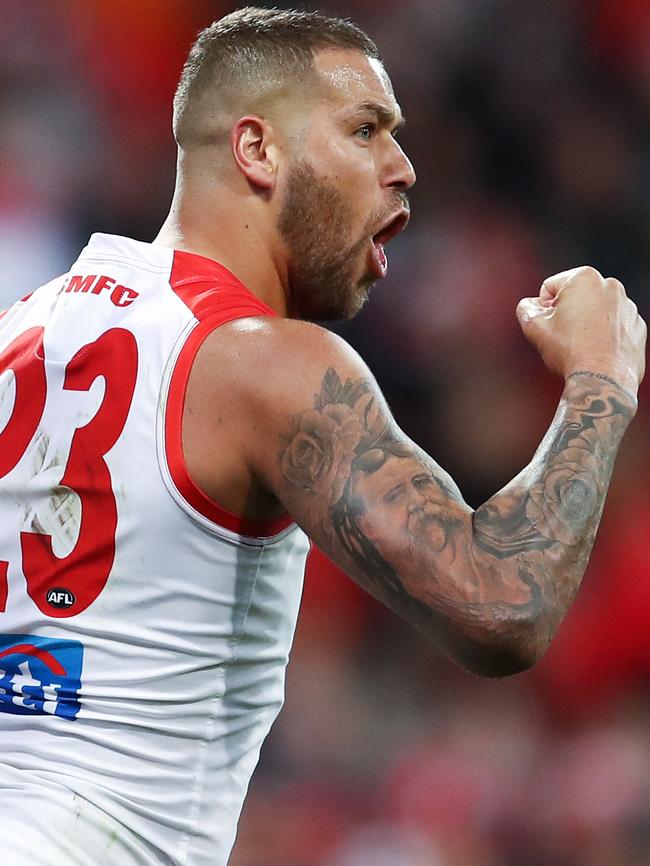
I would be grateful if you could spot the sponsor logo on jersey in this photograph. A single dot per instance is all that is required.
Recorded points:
(60, 597)
(40, 675)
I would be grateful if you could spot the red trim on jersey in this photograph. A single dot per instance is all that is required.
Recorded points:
(216, 297)
(209, 289)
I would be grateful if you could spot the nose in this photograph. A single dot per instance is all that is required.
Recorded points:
(400, 173)
(417, 500)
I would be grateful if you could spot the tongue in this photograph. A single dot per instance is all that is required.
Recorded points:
(380, 261)
(380, 258)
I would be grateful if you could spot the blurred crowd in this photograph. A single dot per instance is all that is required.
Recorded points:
(529, 126)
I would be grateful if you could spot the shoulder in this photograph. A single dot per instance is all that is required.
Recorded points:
(267, 359)
(256, 380)
(285, 338)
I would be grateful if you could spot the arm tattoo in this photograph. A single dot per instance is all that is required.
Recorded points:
(343, 439)
(604, 378)
(378, 504)
(559, 505)
(546, 521)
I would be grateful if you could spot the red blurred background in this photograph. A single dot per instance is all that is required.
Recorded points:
(528, 124)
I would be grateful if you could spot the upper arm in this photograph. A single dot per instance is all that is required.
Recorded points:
(317, 432)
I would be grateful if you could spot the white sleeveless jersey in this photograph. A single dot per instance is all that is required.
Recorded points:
(144, 631)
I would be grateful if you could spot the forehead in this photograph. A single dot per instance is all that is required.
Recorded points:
(396, 470)
(351, 78)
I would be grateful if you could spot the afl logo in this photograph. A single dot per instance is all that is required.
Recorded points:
(59, 597)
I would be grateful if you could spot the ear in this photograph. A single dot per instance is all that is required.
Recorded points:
(255, 151)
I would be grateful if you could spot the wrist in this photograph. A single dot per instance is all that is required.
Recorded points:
(618, 369)
(626, 386)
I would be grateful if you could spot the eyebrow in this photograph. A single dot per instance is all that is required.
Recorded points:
(393, 490)
(384, 115)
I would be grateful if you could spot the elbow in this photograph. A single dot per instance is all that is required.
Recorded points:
(491, 637)
(496, 662)
(496, 649)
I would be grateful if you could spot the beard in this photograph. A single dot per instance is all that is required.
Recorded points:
(316, 223)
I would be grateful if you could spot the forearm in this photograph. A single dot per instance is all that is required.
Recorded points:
(532, 540)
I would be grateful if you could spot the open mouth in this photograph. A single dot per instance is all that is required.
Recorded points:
(393, 225)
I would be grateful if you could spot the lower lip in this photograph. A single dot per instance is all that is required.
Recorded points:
(379, 260)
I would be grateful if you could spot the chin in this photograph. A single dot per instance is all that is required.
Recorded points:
(360, 301)
(352, 304)
(334, 309)
(363, 295)
(331, 298)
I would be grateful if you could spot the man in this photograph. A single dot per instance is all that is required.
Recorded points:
(170, 416)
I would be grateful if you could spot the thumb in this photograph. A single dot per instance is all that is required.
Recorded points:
(530, 310)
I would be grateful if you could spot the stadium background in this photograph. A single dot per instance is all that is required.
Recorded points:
(528, 123)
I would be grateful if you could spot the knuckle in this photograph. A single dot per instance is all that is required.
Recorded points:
(589, 272)
(524, 304)
(615, 284)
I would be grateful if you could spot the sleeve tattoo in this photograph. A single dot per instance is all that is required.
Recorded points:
(379, 505)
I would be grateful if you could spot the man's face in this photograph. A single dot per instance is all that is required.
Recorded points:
(345, 189)
(405, 509)
(401, 494)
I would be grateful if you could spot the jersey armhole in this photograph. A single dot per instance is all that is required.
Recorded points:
(171, 442)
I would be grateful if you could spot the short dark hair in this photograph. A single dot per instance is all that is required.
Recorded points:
(253, 45)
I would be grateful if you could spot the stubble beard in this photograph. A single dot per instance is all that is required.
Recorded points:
(316, 225)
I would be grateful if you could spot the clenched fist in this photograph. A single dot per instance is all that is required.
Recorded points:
(584, 321)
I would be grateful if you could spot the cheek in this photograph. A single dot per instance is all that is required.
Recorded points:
(383, 521)
(360, 180)
(349, 166)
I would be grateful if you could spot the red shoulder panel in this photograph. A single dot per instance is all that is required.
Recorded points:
(209, 289)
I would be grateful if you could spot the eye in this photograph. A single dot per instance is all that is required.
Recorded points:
(366, 131)
(394, 493)
(422, 481)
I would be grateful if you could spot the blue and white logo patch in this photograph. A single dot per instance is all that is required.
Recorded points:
(40, 675)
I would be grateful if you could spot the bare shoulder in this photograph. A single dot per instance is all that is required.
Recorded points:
(249, 378)
(283, 394)
(280, 343)
(272, 368)
(253, 375)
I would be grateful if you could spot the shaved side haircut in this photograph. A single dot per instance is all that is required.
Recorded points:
(249, 56)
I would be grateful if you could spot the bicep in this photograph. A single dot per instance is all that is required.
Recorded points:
(380, 508)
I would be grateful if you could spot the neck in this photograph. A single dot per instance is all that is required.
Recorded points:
(242, 242)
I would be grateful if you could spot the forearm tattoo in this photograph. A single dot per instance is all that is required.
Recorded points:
(392, 516)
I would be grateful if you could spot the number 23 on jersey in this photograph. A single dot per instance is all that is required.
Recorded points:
(62, 587)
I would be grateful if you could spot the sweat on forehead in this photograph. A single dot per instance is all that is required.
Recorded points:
(346, 69)
(358, 81)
